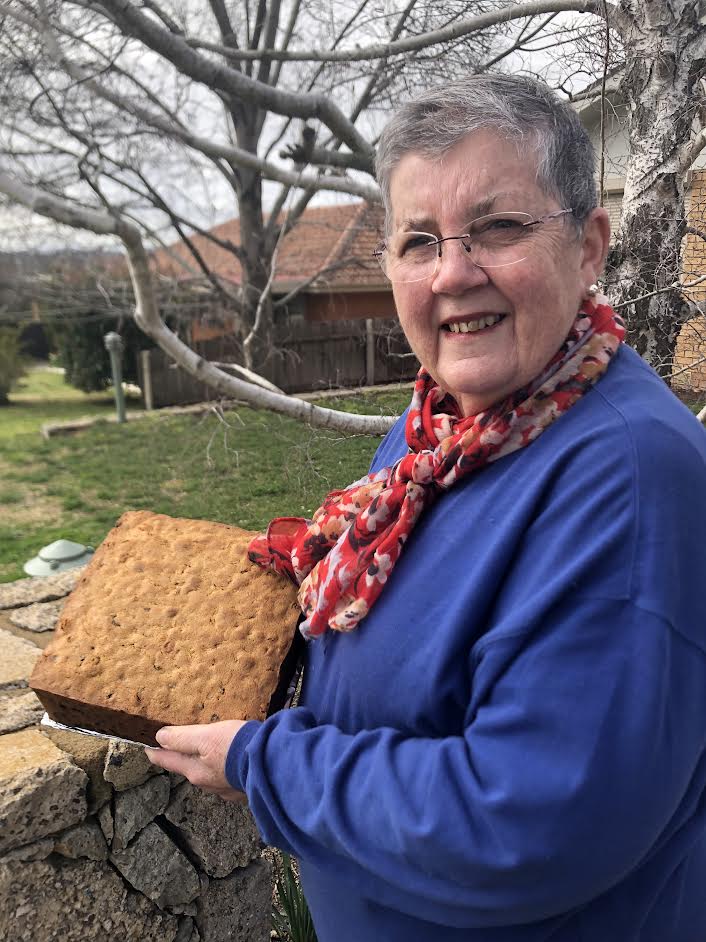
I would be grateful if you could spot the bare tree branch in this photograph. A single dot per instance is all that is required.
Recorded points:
(230, 82)
(518, 44)
(148, 319)
(164, 17)
(321, 157)
(233, 155)
(412, 44)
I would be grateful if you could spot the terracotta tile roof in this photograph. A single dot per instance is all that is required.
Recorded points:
(332, 244)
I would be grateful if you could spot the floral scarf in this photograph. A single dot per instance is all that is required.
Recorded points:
(343, 557)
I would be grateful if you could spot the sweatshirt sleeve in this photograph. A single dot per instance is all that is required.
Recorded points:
(554, 791)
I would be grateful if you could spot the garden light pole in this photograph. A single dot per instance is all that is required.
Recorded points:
(114, 345)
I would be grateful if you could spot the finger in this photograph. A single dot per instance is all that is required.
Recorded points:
(196, 772)
(191, 767)
(185, 739)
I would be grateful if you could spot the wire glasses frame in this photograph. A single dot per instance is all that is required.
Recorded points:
(492, 241)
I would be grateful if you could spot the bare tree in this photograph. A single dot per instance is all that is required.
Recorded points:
(74, 67)
(106, 100)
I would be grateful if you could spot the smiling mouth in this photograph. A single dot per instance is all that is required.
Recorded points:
(473, 326)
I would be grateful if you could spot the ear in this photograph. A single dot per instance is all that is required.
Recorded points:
(594, 245)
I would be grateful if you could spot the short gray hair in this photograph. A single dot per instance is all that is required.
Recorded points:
(515, 107)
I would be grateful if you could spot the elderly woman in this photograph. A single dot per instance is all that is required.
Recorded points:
(502, 731)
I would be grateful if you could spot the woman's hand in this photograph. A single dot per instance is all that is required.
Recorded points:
(199, 753)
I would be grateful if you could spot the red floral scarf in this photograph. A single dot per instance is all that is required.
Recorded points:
(343, 557)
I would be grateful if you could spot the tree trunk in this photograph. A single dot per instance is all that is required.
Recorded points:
(667, 46)
(257, 259)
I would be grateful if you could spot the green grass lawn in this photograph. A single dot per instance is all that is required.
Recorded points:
(243, 470)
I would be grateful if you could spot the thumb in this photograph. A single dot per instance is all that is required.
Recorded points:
(184, 739)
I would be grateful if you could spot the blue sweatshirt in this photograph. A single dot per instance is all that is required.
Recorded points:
(511, 747)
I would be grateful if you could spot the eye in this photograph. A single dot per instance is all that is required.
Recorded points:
(499, 224)
(500, 229)
(415, 241)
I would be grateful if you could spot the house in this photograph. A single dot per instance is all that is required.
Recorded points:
(334, 317)
(327, 258)
(690, 357)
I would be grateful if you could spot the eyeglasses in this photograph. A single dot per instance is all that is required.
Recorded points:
(492, 241)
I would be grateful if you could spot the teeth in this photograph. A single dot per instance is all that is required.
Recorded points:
(469, 327)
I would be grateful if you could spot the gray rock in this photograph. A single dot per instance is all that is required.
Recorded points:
(84, 840)
(41, 790)
(17, 660)
(155, 866)
(89, 753)
(19, 712)
(76, 901)
(188, 909)
(39, 616)
(220, 834)
(237, 908)
(126, 765)
(40, 850)
(105, 819)
(136, 807)
(39, 588)
(187, 931)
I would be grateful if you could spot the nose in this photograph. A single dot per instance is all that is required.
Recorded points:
(456, 271)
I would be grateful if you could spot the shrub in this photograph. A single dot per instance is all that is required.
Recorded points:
(81, 349)
(12, 366)
(291, 919)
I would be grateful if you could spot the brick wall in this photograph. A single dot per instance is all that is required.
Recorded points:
(690, 354)
(691, 346)
(613, 202)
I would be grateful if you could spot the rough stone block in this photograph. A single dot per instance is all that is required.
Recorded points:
(40, 850)
(126, 765)
(39, 616)
(105, 819)
(19, 712)
(237, 908)
(16, 660)
(89, 753)
(187, 931)
(76, 901)
(155, 866)
(41, 790)
(136, 807)
(220, 834)
(84, 840)
(38, 588)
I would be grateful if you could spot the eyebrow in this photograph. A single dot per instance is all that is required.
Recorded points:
(428, 223)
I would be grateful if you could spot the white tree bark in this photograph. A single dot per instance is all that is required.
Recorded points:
(667, 46)
(148, 318)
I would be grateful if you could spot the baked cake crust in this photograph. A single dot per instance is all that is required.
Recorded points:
(170, 624)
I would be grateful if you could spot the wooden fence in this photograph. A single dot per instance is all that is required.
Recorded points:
(308, 356)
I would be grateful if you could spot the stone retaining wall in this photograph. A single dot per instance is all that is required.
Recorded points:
(96, 843)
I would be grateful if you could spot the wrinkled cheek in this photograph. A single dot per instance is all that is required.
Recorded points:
(415, 321)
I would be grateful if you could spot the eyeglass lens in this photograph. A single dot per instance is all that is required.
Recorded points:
(490, 241)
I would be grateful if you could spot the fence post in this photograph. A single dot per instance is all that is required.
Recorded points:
(146, 370)
(114, 345)
(369, 352)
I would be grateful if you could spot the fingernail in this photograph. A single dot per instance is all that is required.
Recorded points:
(159, 736)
